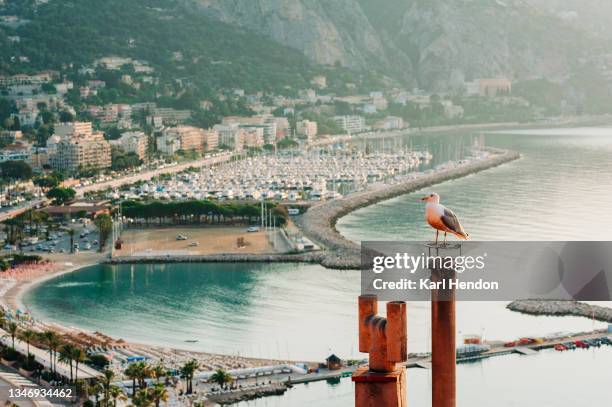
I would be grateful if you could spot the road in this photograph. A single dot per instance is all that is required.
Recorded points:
(7, 213)
(145, 176)
(42, 357)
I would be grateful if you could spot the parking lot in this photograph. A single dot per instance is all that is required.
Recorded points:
(86, 238)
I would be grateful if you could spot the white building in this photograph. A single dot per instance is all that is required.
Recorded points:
(228, 134)
(350, 124)
(390, 123)
(134, 142)
(168, 144)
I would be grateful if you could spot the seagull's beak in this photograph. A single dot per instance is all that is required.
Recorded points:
(424, 198)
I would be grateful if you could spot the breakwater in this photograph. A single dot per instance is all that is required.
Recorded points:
(309, 257)
(561, 309)
(319, 222)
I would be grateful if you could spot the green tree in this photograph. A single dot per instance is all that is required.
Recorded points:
(27, 336)
(158, 393)
(53, 342)
(13, 329)
(221, 377)
(61, 195)
(71, 233)
(66, 117)
(16, 170)
(79, 356)
(107, 380)
(49, 181)
(116, 394)
(142, 399)
(131, 372)
(188, 370)
(66, 353)
(104, 223)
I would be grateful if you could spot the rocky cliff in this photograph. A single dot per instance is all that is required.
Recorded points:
(426, 43)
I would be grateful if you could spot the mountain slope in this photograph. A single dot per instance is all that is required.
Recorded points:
(433, 44)
(213, 54)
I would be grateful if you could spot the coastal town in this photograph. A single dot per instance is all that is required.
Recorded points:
(183, 195)
(78, 185)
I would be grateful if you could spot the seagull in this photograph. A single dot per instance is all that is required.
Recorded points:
(442, 219)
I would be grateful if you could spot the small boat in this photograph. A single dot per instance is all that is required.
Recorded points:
(191, 340)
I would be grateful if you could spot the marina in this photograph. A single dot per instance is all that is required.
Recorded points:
(292, 176)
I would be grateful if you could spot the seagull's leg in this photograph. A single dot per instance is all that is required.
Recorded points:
(437, 231)
(445, 238)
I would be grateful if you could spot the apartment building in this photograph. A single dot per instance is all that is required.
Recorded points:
(81, 151)
(134, 142)
(211, 140)
(307, 128)
(186, 138)
(350, 124)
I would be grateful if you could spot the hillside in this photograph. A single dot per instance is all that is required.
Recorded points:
(165, 34)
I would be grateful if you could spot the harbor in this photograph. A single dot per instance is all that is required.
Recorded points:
(102, 286)
(291, 176)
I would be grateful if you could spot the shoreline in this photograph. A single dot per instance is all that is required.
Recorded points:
(13, 298)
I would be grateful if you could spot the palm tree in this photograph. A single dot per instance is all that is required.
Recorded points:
(132, 373)
(116, 394)
(94, 389)
(71, 233)
(27, 336)
(221, 377)
(109, 375)
(13, 329)
(187, 371)
(54, 344)
(144, 372)
(50, 338)
(159, 393)
(158, 371)
(2, 318)
(66, 353)
(142, 399)
(79, 356)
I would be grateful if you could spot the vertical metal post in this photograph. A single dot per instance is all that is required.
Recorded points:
(443, 333)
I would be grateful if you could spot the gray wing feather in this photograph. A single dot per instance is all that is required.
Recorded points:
(450, 221)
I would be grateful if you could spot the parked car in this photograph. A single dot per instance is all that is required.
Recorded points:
(181, 237)
(253, 229)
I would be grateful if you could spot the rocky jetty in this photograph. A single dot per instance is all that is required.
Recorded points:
(319, 222)
(277, 389)
(310, 257)
(561, 309)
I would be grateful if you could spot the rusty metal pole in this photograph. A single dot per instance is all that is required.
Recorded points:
(383, 382)
(443, 339)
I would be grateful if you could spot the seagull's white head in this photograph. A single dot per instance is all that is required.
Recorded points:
(433, 197)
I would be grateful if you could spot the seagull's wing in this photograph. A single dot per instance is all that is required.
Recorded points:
(450, 221)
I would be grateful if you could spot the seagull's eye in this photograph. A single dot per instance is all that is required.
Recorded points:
(431, 195)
